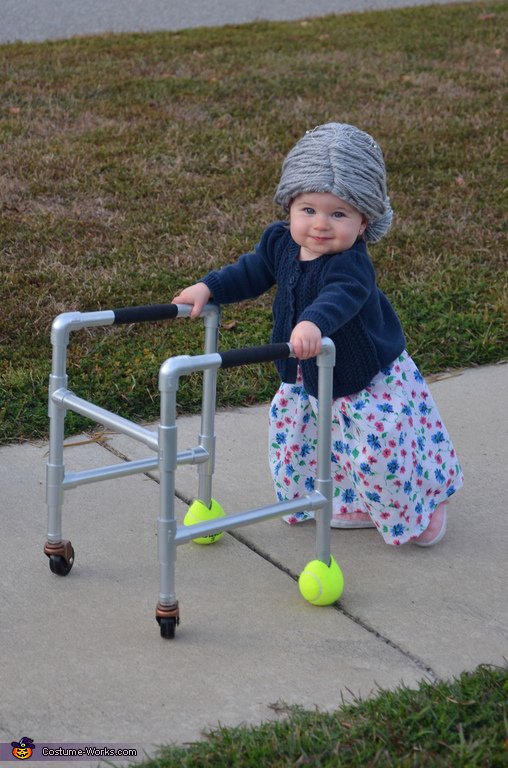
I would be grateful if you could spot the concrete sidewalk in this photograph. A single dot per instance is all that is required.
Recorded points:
(38, 20)
(82, 658)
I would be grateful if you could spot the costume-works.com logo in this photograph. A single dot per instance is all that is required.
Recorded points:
(23, 748)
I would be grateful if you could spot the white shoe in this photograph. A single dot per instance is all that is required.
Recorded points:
(440, 533)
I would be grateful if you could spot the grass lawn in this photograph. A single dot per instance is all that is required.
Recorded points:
(132, 164)
(462, 722)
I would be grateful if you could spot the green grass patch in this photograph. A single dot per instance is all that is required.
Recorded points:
(458, 723)
(132, 164)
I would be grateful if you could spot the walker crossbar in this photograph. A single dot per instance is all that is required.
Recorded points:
(196, 455)
(312, 501)
(72, 402)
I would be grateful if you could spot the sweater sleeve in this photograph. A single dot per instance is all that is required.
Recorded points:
(349, 281)
(253, 273)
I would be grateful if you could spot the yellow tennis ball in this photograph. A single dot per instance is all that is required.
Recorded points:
(200, 513)
(321, 584)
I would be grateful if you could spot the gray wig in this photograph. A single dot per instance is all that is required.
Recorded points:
(345, 161)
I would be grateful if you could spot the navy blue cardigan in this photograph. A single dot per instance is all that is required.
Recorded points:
(337, 292)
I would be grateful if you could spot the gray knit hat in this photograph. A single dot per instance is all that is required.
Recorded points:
(345, 161)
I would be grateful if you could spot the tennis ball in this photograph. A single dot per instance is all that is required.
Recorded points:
(321, 584)
(200, 513)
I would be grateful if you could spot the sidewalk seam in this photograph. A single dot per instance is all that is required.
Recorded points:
(432, 675)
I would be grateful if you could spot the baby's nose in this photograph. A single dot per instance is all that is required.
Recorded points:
(322, 221)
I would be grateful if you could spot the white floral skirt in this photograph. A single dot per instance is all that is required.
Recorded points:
(392, 456)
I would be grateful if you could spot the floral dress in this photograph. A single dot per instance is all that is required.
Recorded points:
(392, 456)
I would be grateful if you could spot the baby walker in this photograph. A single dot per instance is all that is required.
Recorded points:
(321, 581)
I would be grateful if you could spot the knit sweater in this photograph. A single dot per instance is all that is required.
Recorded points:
(337, 292)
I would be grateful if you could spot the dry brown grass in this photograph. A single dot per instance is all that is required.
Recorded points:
(131, 165)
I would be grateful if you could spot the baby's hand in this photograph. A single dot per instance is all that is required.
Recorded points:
(197, 295)
(306, 340)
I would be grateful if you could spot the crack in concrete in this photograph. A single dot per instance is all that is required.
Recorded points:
(431, 674)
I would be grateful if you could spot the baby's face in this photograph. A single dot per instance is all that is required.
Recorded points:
(322, 223)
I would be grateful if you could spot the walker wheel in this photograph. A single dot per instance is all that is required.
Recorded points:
(168, 626)
(60, 565)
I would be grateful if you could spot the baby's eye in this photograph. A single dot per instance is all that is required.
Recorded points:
(310, 211)
(338, 214)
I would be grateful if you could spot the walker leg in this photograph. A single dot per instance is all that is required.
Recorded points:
(324, 453)
(321, 582)
(167, 612)
(60, 552)
(209, 397)
(205, 507)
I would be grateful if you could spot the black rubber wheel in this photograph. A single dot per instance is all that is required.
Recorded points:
(168, 626)
(60, 565)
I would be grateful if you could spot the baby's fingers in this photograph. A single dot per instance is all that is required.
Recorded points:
(196, 295)
(305, 344)
(184, 297)
(197, 308)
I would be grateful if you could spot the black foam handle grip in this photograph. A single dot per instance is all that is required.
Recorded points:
(145, 313)
(247, 355)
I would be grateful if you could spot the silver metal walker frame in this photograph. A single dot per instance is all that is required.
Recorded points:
(164, 443)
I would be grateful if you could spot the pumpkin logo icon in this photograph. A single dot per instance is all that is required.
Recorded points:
(23, 748)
